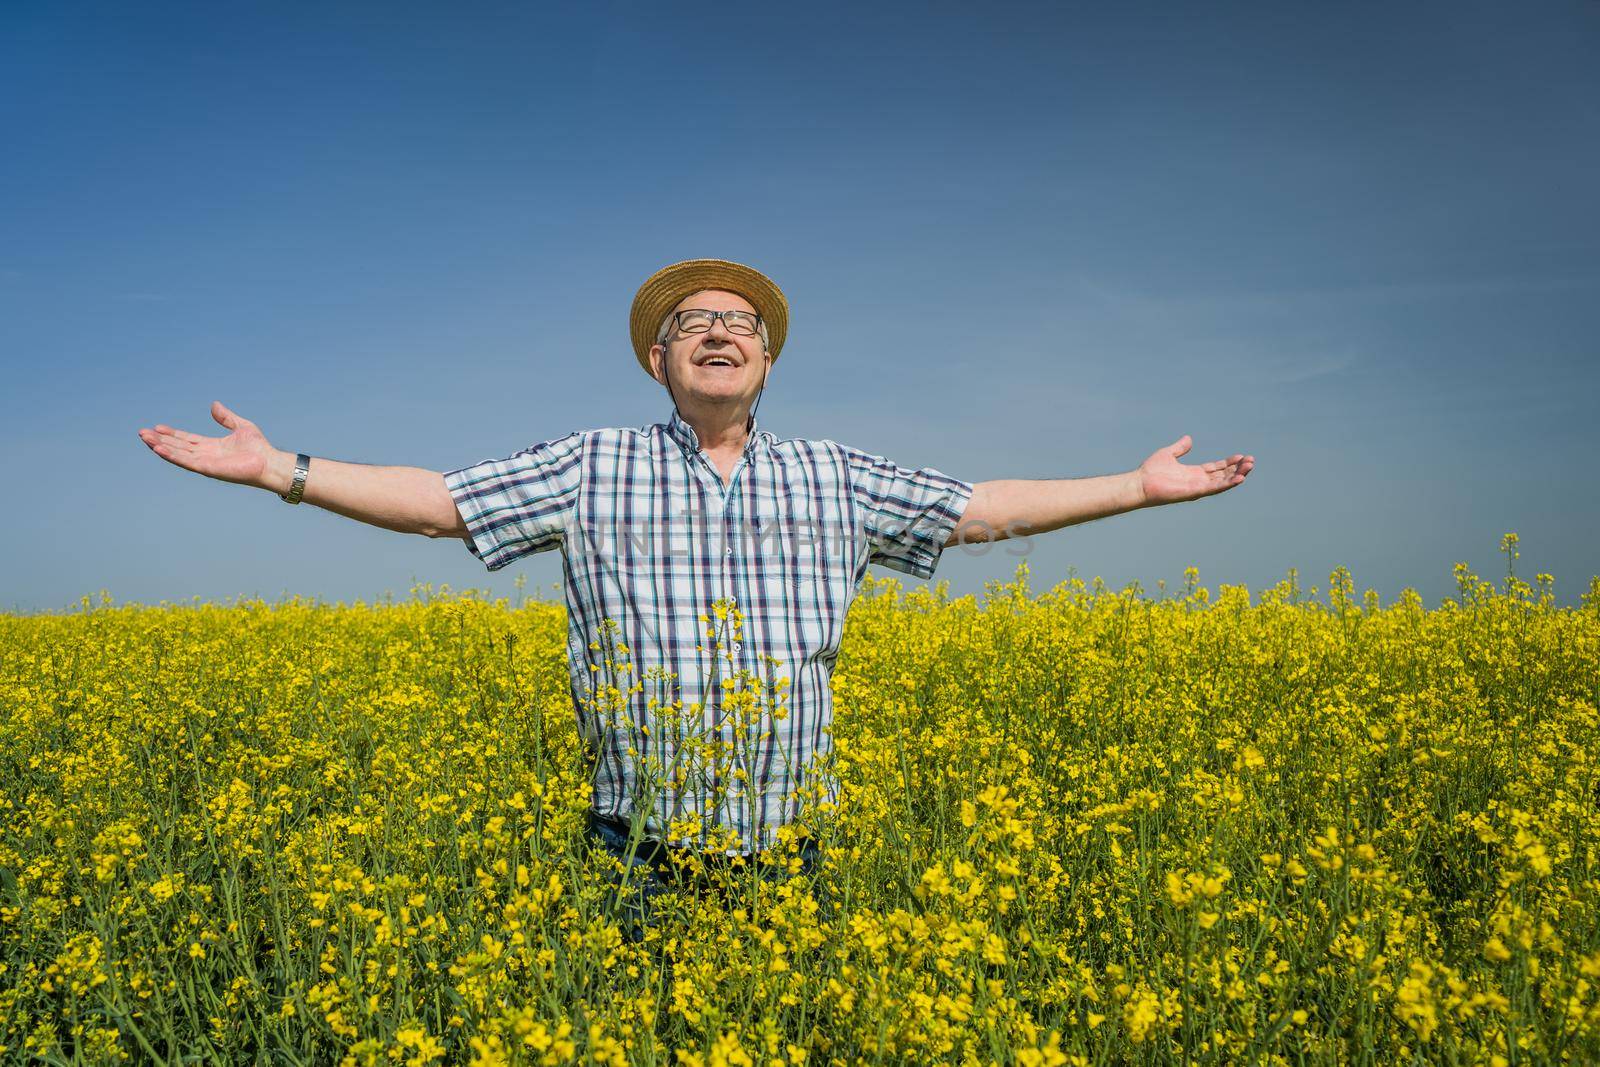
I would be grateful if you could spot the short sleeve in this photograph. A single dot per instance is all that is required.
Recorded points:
(519, 505)
(908, 514)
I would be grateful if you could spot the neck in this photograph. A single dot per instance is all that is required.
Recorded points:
(718, 429)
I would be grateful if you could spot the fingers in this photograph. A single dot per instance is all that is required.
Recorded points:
(170, 446)
(224, 416)
(181, 435)
(1227, 473)
(167, 436)
(166, 446)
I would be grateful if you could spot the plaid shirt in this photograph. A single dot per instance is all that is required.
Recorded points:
(652, 539)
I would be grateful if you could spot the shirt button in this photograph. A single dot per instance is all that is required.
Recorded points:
(737, 646)
(729, 550)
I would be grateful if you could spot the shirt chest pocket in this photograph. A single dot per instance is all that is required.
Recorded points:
(794, 537)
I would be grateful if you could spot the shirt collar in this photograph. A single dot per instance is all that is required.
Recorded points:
(681, 432)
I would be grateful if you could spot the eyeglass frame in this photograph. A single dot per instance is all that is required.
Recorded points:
(677, 322)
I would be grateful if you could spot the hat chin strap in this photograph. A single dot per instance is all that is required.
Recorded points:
(764, 372)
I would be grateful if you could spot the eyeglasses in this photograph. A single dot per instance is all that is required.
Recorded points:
(699, 320)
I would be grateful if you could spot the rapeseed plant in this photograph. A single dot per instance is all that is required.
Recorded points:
(1074, 826)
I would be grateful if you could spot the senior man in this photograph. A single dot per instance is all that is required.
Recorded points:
(673, 532)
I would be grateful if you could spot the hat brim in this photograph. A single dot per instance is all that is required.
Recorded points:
(662, 291)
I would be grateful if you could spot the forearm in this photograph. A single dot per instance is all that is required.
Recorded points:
(1014, 507)
(403, 499)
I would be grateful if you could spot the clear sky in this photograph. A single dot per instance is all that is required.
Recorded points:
(1360, 242)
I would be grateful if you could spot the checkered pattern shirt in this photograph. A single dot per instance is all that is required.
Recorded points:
(652, 539)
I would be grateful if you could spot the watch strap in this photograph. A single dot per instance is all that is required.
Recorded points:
(302, 467)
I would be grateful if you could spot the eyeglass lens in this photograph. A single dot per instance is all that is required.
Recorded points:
(696, 320)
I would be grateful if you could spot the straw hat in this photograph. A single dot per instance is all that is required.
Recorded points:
(662, 291)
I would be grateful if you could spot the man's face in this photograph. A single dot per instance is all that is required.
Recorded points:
(715, 366)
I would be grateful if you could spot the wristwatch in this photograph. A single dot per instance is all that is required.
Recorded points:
(302, 466)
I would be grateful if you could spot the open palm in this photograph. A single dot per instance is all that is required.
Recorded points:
(239, 457)
(1166, 481)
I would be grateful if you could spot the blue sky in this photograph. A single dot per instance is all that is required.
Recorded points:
(1359, 242)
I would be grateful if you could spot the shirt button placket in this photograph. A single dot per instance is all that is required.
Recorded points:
(727, 551)
(727, 555)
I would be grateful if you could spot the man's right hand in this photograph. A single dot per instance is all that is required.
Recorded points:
(404, 499)
(244, 456)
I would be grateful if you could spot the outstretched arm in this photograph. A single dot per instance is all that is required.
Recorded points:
(1015, 507)
(404, 499)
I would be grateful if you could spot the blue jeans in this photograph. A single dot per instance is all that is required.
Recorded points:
(656, 873)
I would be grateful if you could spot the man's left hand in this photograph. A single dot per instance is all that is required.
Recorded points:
(1166, 481)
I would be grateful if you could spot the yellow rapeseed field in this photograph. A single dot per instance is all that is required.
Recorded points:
(1076, 826)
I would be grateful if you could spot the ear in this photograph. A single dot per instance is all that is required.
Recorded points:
(657, 354)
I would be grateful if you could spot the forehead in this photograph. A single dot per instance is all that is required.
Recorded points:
(715, 300)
